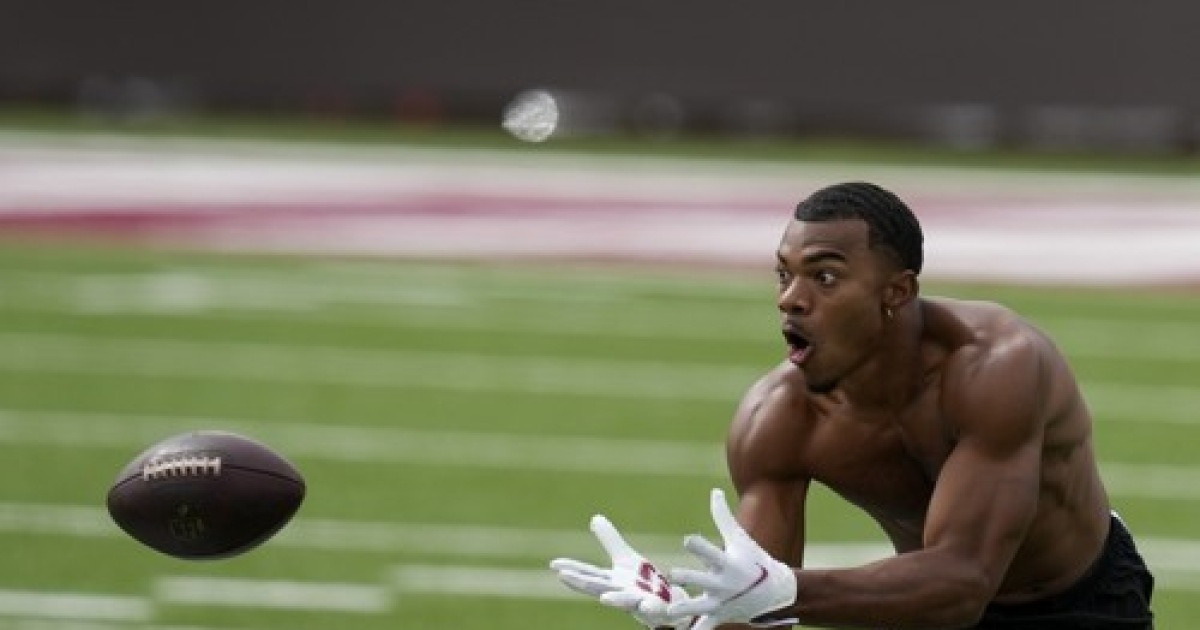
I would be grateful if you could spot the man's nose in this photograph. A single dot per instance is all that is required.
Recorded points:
(792, 299)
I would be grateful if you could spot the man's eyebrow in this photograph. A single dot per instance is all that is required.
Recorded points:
(821, 256)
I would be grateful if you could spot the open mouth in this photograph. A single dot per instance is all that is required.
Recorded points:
(798, 345)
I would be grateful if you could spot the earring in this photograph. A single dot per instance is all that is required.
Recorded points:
(889, 313)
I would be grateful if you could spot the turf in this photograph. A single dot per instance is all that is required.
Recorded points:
(462, 416)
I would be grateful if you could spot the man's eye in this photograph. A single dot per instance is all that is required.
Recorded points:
(825, 278)
(782, 275)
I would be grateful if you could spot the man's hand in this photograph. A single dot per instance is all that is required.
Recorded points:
(743, 581)
(632, 584)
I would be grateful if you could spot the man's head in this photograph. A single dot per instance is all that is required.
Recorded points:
(891, 226)
(847, 263)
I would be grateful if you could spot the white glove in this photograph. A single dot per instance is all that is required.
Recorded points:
(632, 584)
(743, 581)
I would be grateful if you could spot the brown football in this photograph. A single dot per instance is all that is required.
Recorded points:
(205, 495)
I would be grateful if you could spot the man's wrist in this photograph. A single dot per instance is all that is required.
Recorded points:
(786, 614)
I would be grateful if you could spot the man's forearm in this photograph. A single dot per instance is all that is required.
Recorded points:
(908, 591)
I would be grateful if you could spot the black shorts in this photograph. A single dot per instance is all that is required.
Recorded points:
(1113, 595)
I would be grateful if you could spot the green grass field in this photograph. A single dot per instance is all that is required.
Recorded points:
(458, 425)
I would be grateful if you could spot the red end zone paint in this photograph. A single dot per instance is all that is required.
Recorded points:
(1005, 230)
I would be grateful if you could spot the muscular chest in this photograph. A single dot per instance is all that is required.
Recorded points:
(885, 465)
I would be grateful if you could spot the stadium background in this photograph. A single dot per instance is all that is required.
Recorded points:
(304, 224)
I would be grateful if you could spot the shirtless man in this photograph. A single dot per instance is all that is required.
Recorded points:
(956, 425)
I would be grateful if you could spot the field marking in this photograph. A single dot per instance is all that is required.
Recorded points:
(1152, 481)
(155, 170)
(478, 449)
(450, 540)
(454, 540)
(428, 308)
(63, 605)
(444, 579)
(318, 283)
(1127, 402)
(274, 594)
(51, 610)
(255, 295)
(381, 444)
(430, 579)
(484, 581)
(455, 371)
(1101, 339)
(1176, 563)
(731, 212)
(90, 611)
(28, 623)
(315, 284)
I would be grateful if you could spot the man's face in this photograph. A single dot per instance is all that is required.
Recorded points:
(830, 297)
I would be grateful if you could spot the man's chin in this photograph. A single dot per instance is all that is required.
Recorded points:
(820, 387)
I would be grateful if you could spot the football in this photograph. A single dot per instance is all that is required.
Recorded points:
(205, 495)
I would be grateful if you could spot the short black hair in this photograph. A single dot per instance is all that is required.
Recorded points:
(891, 225)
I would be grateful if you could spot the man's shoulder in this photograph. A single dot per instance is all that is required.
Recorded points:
(971, 331)
(770, 426)
(998, 369)
(781, 385)
(973, 313)
(777, 401)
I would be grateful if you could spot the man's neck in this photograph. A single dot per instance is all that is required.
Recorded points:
(893, 375)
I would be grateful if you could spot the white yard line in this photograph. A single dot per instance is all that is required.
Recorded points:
(50, 623)
(450, 540)
(470, 449)
(467, 449)
(338, 597)
(74, 605)
(483, 581)
(490, 543)
(459, 371)
(476, 581)
(166, 358)
(595, 311)
(451, 303)
(1127, 402)
(1151, 481)
(1176, 560)
(52, 610)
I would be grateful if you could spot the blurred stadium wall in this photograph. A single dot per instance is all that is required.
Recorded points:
(1108, 75)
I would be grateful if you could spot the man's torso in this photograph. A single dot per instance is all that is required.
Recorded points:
(888, 462)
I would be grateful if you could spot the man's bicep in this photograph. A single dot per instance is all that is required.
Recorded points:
(765, 467)
(987, 491)
(773, 514)
(983, 505)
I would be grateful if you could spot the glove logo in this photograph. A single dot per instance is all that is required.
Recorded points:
(651, 581)
(762, 577)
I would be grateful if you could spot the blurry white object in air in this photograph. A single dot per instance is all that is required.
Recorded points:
(532, 116)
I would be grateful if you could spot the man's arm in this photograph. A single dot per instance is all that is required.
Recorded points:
(983, 503)
(767, 431)
(772, 505)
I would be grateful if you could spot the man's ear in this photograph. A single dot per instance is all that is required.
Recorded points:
(901, 289)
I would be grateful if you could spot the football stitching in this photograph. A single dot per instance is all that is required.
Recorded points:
(182, 466)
